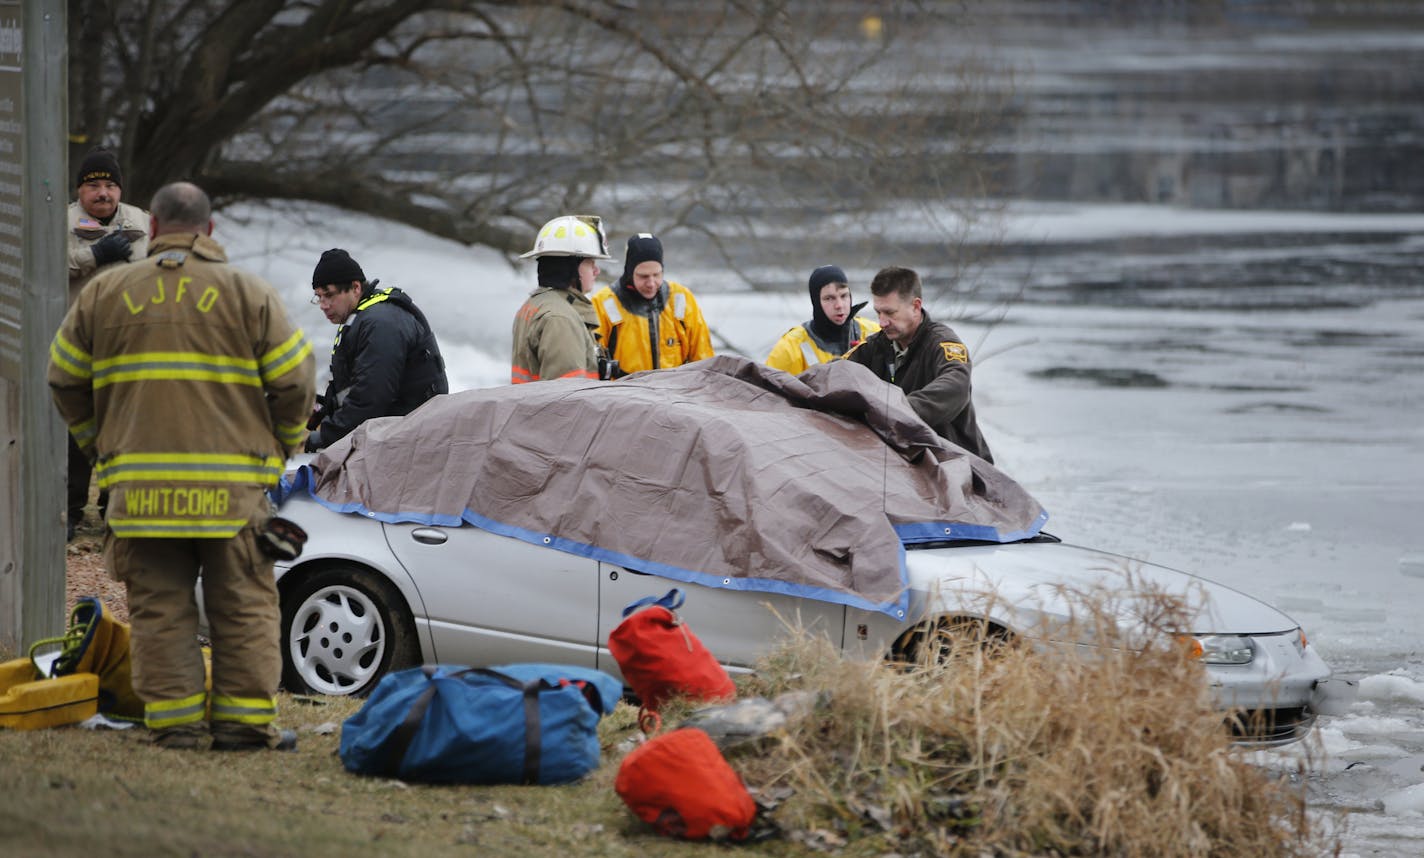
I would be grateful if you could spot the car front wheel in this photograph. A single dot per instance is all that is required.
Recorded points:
(343, 629)
(935, 641)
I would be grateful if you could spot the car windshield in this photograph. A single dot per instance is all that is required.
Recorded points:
(964, 543)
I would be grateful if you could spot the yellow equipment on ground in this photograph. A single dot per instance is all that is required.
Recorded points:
(92, 673)
(30, 702)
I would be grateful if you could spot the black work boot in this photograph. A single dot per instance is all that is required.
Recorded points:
(286, 740)
(181, 738)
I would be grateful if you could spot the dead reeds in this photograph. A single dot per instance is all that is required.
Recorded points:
(980, 747)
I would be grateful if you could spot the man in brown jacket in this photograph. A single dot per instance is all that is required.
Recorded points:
(183, 378)
(103, 231)
(924, 358)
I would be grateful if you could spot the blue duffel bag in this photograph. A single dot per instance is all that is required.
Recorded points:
(518, 723)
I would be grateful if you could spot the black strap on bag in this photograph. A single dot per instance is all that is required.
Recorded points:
(403, 735)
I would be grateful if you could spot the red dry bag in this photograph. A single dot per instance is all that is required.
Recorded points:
(661, 658)
(680, 784)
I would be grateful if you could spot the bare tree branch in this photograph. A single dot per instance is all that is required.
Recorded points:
(479, 119)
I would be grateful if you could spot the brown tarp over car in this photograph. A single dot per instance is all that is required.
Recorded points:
(722, 472)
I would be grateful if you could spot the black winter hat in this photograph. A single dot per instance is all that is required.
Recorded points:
(100, 164)
(336, 267)
(643, 247)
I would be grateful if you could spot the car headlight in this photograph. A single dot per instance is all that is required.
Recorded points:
(1219, 649)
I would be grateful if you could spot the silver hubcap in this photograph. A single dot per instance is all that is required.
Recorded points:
(338, 639)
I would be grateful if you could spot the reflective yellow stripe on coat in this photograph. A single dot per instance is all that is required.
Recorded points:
(71, 358)
(285, 357)
(174, 528)
(190, 468)
(176, 366)
(84, 433)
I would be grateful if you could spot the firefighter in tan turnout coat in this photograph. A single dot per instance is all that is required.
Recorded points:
(185, 381)
(554, 333)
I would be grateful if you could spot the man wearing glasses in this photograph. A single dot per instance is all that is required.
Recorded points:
(385, 361)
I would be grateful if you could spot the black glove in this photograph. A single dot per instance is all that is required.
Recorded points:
(281, 539)
(111, 248)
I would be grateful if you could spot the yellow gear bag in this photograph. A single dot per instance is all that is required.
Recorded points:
(99, 644)
(29, 701)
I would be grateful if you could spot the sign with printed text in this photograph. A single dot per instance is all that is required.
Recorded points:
(12, 173)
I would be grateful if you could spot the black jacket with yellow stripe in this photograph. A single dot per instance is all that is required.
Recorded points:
(385, 362)
(186, 381)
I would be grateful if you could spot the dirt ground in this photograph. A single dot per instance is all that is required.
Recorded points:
(86, 574)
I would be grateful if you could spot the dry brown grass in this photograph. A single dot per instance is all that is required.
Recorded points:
(1006, 750)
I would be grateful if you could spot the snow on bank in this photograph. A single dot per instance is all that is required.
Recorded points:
(469, 294)
(1073, 222)
(1408, 801)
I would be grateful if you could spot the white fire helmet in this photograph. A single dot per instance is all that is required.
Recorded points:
(571, 235)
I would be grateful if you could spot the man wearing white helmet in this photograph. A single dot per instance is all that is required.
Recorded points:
(554, 331)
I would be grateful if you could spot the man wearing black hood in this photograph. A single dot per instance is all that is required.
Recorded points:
(647, 322)
(385, 361)
(832, 331)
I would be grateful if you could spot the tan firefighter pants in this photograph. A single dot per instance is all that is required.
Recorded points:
(240, 598)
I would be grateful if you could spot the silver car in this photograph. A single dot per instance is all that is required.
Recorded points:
(514, 524)
(366, 597)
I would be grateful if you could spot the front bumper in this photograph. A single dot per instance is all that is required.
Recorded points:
(1275, 699)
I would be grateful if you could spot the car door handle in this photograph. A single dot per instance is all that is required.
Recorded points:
(429, 536)
(613, 573)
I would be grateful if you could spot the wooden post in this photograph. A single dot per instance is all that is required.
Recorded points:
(34, 195)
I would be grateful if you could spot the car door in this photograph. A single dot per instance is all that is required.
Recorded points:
(736, 626)
(491, 599)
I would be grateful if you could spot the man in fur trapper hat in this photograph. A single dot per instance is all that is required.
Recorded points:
(833, 330)
(647, 322)
(103, 232)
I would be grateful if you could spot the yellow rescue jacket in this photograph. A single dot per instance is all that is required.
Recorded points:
(797, 349)
(681, 331)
